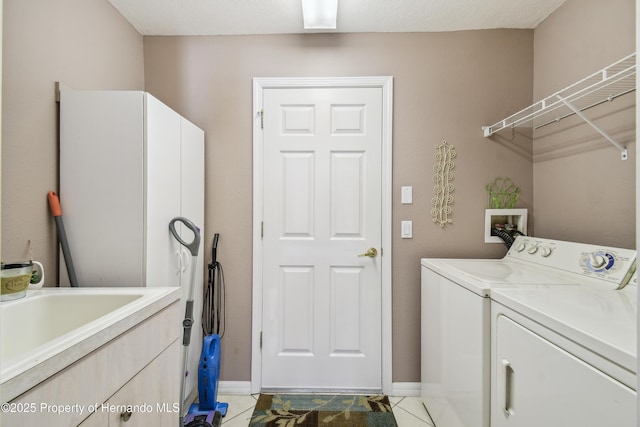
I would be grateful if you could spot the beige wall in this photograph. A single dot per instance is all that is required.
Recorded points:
(582, 190)
(446, 86)
(85, 44)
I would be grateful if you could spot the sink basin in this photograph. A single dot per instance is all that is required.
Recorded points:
(51, 328)
(31, 322)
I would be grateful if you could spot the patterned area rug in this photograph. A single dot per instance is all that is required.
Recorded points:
(319, 410)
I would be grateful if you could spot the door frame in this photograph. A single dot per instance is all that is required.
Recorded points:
(259, 85)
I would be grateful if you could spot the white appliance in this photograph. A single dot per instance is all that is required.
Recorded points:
(564, 356)
(128, 165)
(456, 315)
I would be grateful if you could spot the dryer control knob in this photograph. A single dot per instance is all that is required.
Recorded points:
(597, 261)
(533, 250)
(521, 247)
(546, 251)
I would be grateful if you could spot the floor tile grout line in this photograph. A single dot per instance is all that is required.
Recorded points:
(226, 420)
(393, 405)
(428, 414)
(251, 408)
(416, 417)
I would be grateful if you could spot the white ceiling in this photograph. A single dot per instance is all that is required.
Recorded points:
(226, 17)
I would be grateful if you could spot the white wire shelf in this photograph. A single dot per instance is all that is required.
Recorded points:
(605, 85)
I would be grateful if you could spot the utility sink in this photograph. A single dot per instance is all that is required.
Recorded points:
(32, 322)
(52, 327)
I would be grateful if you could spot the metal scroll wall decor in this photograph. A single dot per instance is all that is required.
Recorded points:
(442, 177)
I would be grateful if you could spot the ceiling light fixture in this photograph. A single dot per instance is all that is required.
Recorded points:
(320, 14)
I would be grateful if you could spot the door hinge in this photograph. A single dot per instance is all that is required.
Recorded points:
(261, 112)
(260, 340)
(262, 230)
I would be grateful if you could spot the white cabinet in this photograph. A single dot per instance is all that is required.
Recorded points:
(537, 383)
(141, 402)
(128, 165)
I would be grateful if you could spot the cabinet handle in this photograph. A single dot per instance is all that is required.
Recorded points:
(125, 416)
(508, 387)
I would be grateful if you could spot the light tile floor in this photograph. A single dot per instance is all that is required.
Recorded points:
(408, 411)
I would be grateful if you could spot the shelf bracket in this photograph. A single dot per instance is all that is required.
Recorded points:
(623, 150)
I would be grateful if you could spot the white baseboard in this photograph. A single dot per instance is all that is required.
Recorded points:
(405, 389)
(244, 387)
(234, 387)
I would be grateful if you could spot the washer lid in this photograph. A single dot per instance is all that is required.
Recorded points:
(510, 272)
(481, 275)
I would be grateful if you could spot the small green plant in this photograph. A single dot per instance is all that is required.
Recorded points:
(503, 194)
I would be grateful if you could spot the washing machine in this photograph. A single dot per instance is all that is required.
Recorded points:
(456, 315)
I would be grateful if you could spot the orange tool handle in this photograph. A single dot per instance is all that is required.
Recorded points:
(54, 204)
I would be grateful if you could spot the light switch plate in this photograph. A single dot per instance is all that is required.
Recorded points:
(406, 195)
(407, 230)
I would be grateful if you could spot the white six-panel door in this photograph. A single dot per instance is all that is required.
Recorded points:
(321, 314)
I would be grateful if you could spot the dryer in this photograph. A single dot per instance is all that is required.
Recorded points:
(456, 315)
(564, 356)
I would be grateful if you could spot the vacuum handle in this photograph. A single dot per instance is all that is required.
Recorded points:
(194, 245)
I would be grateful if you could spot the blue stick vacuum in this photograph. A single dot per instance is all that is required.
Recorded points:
(207, 412)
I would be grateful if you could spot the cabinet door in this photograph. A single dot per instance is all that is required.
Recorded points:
(540, 384)
(192, 165)
(162, 148)
(101, 186)
(192, 190)
(97, 419)
(151, 397)
(192, 207)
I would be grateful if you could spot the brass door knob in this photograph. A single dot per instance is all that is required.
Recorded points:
(371, 253)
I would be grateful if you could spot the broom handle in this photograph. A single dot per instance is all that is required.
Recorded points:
(56, 211)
